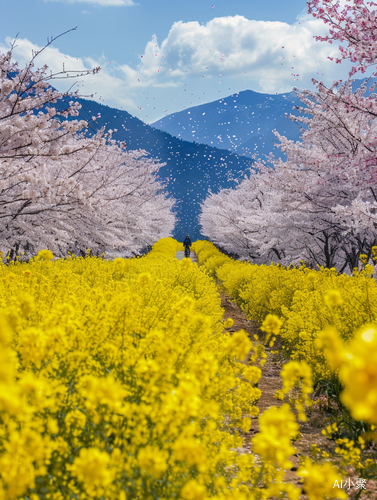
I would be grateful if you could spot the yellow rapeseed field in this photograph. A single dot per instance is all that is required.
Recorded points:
(118, 381)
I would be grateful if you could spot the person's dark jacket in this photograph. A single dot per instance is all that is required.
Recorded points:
(187, 242)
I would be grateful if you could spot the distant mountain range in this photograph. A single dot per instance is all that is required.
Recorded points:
(205, 148)
(243, 123)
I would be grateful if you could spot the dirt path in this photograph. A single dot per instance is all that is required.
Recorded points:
(269, 383)
(181, 254)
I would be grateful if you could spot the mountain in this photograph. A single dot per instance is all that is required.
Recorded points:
(191, 169)
(241, 123)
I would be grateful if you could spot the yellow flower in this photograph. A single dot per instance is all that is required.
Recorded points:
(333, 298)
(228, 323)
(320, 481)
(26, 304)
(189, 450)
(92, 468)
(153, 461)
(359, 375)
(312, 276)
(357, 363)
(297, 372)
(193, 491)
(333, 347)
(246, 424)
(369, 269)
(279, 395)
(75, 419)
(239, 345)
(364, 258)
(44, 255)
(144, 279)
(111, 370)
(277, 428)
(252, 374)
(52, 426)
(271, 324)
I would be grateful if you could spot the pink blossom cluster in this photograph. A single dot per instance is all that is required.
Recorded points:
(353, 24)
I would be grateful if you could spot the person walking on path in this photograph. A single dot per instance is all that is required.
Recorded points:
(187, 245)
(187, 242)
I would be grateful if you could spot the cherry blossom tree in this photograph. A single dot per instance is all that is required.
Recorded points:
(334, 171)
(320, 204)
(338, 149)
(61, 189)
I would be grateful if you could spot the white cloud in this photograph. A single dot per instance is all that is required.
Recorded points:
(276, 54)
(107, 85)
(103, 3)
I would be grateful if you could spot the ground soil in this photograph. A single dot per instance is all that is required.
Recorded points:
(270, 382)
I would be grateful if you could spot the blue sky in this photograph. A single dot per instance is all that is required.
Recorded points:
(158, 57)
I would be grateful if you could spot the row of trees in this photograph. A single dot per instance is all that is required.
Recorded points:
(320, 204)
(63, 189)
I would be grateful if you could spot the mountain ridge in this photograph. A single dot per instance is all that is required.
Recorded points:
(242, 122)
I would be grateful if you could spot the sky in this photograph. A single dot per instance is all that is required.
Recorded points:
(159, 57)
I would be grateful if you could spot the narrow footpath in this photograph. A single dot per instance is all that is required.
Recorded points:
(181, 255)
